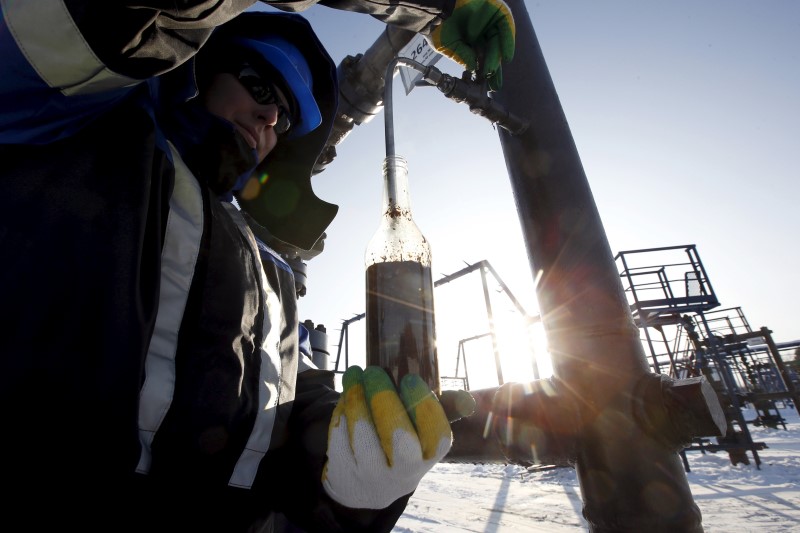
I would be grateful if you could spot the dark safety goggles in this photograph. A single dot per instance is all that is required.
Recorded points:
(265, 92)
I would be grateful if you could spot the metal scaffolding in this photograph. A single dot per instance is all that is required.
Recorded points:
(688, 335)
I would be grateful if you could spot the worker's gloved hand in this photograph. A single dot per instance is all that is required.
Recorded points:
(381, 443)
(478, 31)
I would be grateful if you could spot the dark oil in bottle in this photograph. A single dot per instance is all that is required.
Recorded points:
(401, 337)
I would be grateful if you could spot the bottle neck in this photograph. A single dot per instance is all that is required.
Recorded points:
(395, 191)
(397, 238)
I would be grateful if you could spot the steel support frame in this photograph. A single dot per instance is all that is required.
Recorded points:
(630, 481)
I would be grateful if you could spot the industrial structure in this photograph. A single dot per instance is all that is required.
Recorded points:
(683, 329)
(687, 334)
(618, 415)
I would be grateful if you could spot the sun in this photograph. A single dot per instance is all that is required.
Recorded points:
(471, 336)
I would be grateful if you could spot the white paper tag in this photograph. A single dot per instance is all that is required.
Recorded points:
(419, 50)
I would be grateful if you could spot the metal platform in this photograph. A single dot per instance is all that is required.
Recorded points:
(674, 305)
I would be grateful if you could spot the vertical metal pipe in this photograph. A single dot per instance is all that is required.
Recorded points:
(490, 316)
(630, 481)
(527, 318)
(466, 369)
(783, 372)
(673, 369)
(646, 328)
(720, 358)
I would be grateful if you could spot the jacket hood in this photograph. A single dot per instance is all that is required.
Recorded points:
(278, 195)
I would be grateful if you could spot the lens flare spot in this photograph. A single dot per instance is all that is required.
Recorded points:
(251, 189)
(487, 428)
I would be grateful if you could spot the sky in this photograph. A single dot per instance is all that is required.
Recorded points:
(686, 117)
(503, 498)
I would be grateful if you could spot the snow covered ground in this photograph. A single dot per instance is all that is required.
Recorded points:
(508, 498)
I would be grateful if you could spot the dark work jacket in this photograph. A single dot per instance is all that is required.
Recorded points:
(150, 377)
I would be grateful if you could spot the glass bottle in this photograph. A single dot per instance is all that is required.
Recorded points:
(401, 335)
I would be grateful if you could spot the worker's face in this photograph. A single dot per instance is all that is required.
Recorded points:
(227, 98)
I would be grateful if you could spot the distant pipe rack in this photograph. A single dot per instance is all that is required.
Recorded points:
(482, 266)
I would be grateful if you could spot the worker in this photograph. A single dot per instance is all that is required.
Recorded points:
(152, 374)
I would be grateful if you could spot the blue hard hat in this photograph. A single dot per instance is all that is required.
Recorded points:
(279, 197)
(292, 66)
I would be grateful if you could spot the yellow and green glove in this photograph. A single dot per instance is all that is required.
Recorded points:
(381, 443)
(478, 29)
